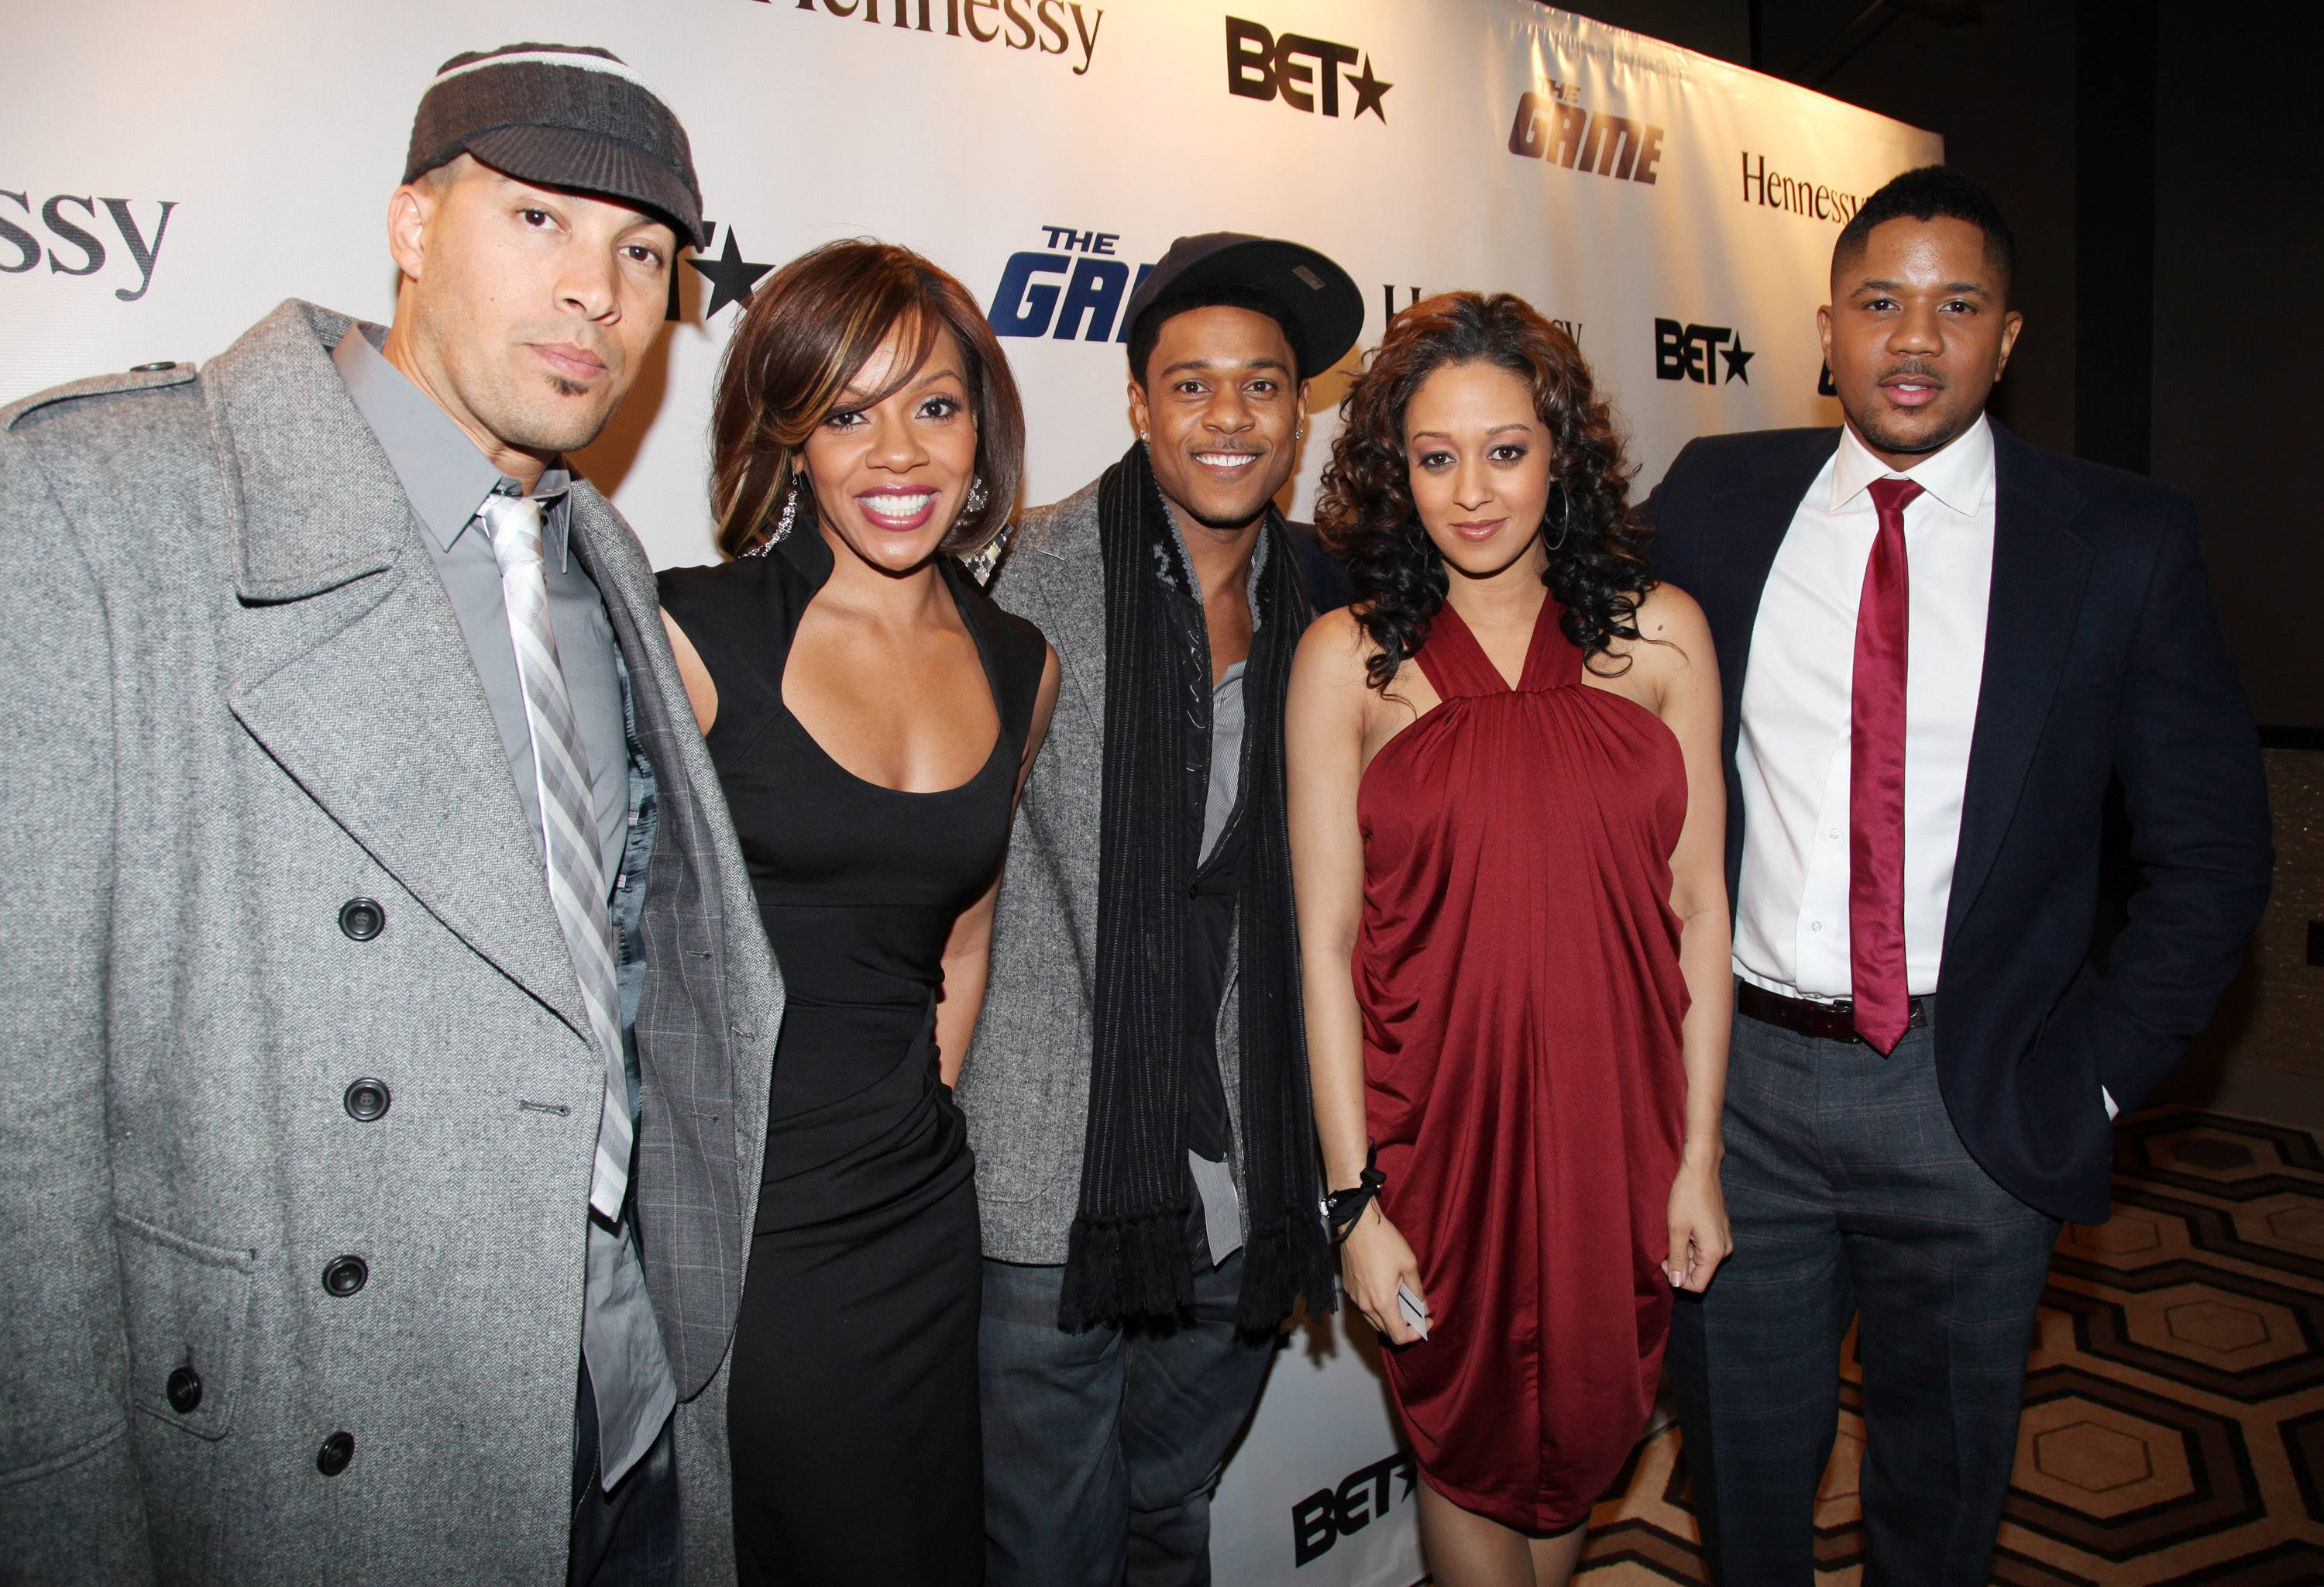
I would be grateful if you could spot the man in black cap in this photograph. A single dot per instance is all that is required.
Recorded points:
(1137, 1090)
(381, 880)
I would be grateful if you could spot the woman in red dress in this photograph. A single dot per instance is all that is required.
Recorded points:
(1507, 824)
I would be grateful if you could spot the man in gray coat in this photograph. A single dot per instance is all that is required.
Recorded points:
(1137, 1090)
(387, 1068)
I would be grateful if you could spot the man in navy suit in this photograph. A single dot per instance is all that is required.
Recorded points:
(1940, 644)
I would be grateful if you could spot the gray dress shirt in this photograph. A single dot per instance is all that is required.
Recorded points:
(1220, 1208)
(447, 480)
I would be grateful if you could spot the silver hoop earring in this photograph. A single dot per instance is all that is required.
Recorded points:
(782, 524)
(1564, 516)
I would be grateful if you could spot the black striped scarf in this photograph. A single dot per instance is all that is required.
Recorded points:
(1127, 1255)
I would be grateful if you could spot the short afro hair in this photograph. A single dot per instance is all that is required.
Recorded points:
(1923, 195)
(1148, 331)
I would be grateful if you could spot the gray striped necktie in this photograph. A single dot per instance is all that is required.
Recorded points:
(577, 882)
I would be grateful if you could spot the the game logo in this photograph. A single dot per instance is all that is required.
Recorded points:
(1044, 27)
(1697, 352)
(1551, 126)
(1072, 288)
(72, 239)
(1302, 72)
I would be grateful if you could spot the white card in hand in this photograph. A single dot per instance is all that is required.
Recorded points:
(1409, 1304)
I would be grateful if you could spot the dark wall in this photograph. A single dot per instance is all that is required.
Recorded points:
(2239, 251)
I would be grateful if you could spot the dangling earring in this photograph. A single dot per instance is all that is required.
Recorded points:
(783, 523)
(974, 504)
(1564, 516)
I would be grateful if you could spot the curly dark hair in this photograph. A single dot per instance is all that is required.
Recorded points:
(1598, 569)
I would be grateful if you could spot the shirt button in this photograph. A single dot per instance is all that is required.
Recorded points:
(1815, 925)
(1833, 835)
(338, 1450)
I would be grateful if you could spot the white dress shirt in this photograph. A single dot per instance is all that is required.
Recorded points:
(1792, 756)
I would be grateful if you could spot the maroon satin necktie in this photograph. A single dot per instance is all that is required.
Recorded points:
(1876, 781)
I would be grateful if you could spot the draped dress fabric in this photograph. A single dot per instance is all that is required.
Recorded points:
(1517, 968)
(852, 1403)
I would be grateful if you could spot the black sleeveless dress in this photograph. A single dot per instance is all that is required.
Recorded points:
(851, 1409)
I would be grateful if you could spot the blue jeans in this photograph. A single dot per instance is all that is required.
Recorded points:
(1103, 1448)
(628, 1537)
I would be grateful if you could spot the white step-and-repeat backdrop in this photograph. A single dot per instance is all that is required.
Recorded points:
(172, 171)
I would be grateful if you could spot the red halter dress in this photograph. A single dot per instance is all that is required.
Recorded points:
(1519, 972)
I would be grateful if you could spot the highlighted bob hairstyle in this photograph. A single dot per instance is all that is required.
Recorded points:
(804, 336)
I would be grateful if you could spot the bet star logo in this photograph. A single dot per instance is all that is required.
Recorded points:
(732, 277)
(1299, 71)
(1694, 351)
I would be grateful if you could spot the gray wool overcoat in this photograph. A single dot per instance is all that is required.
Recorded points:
(235, 697)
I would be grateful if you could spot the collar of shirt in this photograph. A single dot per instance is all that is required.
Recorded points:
(444, 475)
(1959, 475)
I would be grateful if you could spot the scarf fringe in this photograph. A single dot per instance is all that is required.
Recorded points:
(1281, 1264)
(1121, 1268)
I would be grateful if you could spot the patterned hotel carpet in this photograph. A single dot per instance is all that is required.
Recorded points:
(2174, 1404)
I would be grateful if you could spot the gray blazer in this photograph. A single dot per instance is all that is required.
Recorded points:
(1026, 1085)
(236, 699)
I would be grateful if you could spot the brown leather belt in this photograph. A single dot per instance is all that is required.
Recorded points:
(1832, 1022)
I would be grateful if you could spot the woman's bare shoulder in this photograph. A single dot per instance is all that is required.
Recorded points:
(1336, 648)
(1673, 635)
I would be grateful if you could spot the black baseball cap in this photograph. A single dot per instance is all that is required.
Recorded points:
(564, 115)
(1326, 311)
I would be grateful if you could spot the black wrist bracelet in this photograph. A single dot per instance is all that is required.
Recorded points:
(1343, 1209)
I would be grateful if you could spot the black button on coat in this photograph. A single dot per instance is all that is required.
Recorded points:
(361, 919)
(338, 1450)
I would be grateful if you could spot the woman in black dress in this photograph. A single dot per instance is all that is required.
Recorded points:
(872, 716)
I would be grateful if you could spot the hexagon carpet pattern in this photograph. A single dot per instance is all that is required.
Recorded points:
(2174, 1402)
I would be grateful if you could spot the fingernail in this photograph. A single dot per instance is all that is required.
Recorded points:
(1677, 1278)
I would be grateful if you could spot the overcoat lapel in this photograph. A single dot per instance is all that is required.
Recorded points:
(2040, 565)
(1075, 596)
(348, 665)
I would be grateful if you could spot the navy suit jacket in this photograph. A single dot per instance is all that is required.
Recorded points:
(2103, 659)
